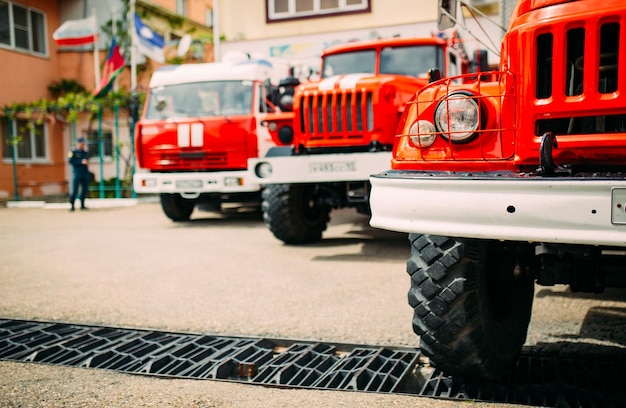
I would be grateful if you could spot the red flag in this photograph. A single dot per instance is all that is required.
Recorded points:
(76, 32)
(113, 65)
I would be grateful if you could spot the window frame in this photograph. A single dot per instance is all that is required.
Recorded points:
(182, 7)
(342, 9)
(93, 144)
(30, 30)
(208, 17)
(33, 144)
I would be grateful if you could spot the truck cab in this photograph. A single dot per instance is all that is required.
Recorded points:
(200, 125)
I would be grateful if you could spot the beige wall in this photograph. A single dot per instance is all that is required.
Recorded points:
(195, 8)
(251, 25)
(303, 41)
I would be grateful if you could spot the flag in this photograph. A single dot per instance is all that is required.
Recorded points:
(113, 65)
(76, 32)
(149, 43)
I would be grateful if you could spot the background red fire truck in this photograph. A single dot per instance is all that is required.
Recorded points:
(342, 129)
(200, 125)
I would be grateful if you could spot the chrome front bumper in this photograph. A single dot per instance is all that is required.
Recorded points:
(588, 211)
(195, 183)
(318, 168)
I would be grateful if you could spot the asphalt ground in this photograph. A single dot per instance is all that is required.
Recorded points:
(225, 274)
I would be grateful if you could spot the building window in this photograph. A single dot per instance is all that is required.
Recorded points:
(181, 7)
(30, 140)
(208, 17)
(289, 9)
(22, 28)
(93, 144)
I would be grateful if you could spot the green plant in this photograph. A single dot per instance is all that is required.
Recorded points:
(68, 105)
(65, 86)
(110, 186)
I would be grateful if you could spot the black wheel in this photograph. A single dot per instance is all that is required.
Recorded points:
(294, 214)
(472, 303)
(364, 209)
(176, 207)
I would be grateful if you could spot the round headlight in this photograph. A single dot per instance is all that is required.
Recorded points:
(422, 133)
(458, 116)
(286, 102)
(263, 170)
(285, 135)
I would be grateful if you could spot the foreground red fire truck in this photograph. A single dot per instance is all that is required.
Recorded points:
(504, 183)
(200, 125)
(342, 129)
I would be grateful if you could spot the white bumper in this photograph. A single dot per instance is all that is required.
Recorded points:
(557, 210)
(207, 182)
(320, 168)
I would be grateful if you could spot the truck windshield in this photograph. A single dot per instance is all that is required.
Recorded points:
(215, 98)
(413, 61)
(357, 62)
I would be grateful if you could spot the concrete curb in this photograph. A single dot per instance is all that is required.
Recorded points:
(90, 202)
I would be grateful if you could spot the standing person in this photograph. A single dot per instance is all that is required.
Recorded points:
(79, 159)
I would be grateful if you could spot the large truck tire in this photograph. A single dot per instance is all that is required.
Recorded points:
(472, 303)
(176, 207)
(294, 214)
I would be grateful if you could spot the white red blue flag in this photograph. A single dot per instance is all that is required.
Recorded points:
(76, 32)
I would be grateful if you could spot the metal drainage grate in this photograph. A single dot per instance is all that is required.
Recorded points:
(537, 380)
(262, 361)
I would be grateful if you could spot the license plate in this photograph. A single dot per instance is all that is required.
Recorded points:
(188, 183)
(335, 167)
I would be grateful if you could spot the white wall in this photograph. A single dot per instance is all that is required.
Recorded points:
(307, 49)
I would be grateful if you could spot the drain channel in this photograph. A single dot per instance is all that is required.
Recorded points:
(261, 361)
(537, 380)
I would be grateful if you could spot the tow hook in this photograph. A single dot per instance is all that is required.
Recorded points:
(547, 167)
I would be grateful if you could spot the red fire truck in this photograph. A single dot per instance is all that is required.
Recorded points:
(509, 182)
(342, 129)
(200, 125)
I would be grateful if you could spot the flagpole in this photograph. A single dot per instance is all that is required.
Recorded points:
(134, 103)
(216, 32)
(113, 32)
(133, 48)
(96, 51)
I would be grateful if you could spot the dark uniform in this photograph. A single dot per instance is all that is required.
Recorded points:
(81, 175)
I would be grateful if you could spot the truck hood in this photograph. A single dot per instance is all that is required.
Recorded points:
(371, 81)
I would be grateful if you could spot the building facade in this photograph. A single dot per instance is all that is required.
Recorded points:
(299, 30)
(35, 165)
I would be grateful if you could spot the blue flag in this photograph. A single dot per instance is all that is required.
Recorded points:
(149, 43)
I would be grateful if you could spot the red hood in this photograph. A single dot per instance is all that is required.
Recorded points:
(352, 81)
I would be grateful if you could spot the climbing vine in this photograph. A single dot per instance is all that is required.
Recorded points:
(66, 106)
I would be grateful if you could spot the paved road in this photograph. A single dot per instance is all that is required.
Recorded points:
(226, 274)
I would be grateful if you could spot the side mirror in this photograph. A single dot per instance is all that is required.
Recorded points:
(434, 74)
(447, 14)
